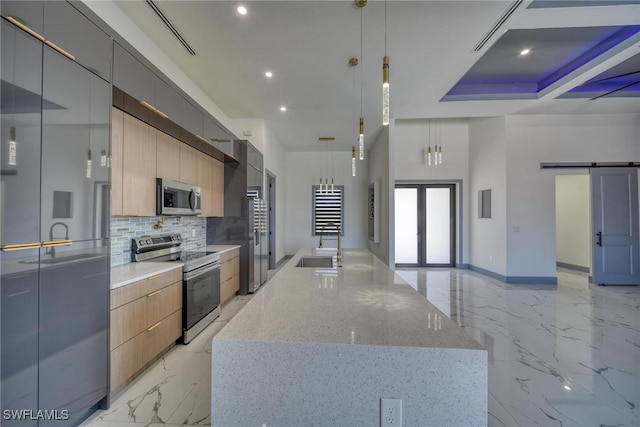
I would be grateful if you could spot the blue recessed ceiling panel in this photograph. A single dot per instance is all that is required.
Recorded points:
(545, 4)
(503, 73)
(623, 80)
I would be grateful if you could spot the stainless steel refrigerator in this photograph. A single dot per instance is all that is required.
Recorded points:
(258, 242)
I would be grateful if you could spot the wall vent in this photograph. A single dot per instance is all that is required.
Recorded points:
(497, 25)
(170, 26)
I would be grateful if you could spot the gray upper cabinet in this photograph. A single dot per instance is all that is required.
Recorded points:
(74, 134)
(29, 13)
(20, 142)
(191, 118)
(72, 31)
(168, 100)
(131, 76)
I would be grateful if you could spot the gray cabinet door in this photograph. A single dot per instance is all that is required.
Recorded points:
(73, 329)
(168, 100)
(21, 104)
(21, 91)
(76, 34)
(191, 118)
(29, 13)
(132, 77)
(75, 130)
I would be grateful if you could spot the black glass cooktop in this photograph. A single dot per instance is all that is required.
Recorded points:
(190, 256)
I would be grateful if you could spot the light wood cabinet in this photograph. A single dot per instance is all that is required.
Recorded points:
(146, 319)
(229, 274)
(205, 181)
(117, 130)
(139, 168)
(188, 164)
(167, 152)
(217, 193)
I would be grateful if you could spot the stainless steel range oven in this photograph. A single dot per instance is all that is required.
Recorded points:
(200, 279)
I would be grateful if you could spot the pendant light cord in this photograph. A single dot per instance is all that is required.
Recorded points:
(385, 27)
(361, 65)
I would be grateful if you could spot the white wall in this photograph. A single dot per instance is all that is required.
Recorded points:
(573, 220)
(257, 128)
(531, 191)
(274, 161)
(378, 159)
(303, 169)
(410, 142)
(487, 171)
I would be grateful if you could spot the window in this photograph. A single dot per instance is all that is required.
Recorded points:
(484, 204)
(328, 207)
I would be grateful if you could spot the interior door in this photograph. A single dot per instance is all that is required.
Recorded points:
(614, 198)
(425, 225)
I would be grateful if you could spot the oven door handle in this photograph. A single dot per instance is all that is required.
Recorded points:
(193, 274)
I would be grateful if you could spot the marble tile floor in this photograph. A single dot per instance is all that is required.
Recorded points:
(558, 356)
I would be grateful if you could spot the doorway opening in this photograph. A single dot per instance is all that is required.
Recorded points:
(425, 232)
(573, 223)
(271, 206)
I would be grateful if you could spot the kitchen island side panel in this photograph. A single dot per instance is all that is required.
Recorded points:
(293, 384)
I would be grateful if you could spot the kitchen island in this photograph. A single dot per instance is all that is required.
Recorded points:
(322, 345)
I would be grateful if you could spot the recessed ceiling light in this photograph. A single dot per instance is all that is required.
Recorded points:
(566, 387)
(242, 10)
(525, 52)
(283, 108)
(268, 74)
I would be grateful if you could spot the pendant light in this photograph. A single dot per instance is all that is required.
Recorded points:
(103, 158)
(13, 147)
(429, 140)
(438, 147)
(324, 188)
(89, 163)
(361, 5)
(353, 161)
(385, 74)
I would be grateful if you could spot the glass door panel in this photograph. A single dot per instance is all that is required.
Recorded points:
(438, 225)
(406, 225)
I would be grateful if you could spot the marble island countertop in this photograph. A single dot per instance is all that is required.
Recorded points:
(363, 302)
(126, 274)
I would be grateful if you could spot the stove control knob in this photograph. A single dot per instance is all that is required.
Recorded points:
(141, 242)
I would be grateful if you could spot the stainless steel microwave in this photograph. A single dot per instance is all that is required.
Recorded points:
(177, 198)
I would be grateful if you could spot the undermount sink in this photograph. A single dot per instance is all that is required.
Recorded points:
(315, 261)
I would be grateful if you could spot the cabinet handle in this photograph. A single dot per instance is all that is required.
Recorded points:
(20, 247)
(53, 243)
(154, 277)
(202, 139)
(154, 109)
(154, 326)
(154, 293)
(60, 50)
(17, 23)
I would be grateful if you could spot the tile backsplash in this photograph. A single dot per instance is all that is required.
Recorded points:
(123, 229)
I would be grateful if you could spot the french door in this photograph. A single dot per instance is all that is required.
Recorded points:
(425, 225)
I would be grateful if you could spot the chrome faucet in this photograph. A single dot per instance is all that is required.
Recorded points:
(339, 254)
(52, 250)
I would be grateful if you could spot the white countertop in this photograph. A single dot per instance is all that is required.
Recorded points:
(126, 274)
(363, 302)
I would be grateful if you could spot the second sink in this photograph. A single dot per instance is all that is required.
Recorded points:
(315, 261)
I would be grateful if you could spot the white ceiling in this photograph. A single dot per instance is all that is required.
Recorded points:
(307, 45)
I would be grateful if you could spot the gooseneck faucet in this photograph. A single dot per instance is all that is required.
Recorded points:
(52, 250)
(339, 254)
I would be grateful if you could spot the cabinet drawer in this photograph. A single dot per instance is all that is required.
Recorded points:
(129, 320)
(229, 268)
(226, 256)
(128, 293)
(133, 355)
(229, 288)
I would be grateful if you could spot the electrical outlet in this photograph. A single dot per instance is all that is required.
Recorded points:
(491, 258)
(193, 232)
(390, 412)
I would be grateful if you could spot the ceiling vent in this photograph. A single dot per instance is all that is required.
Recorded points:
(170, 26)
(497, 25)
